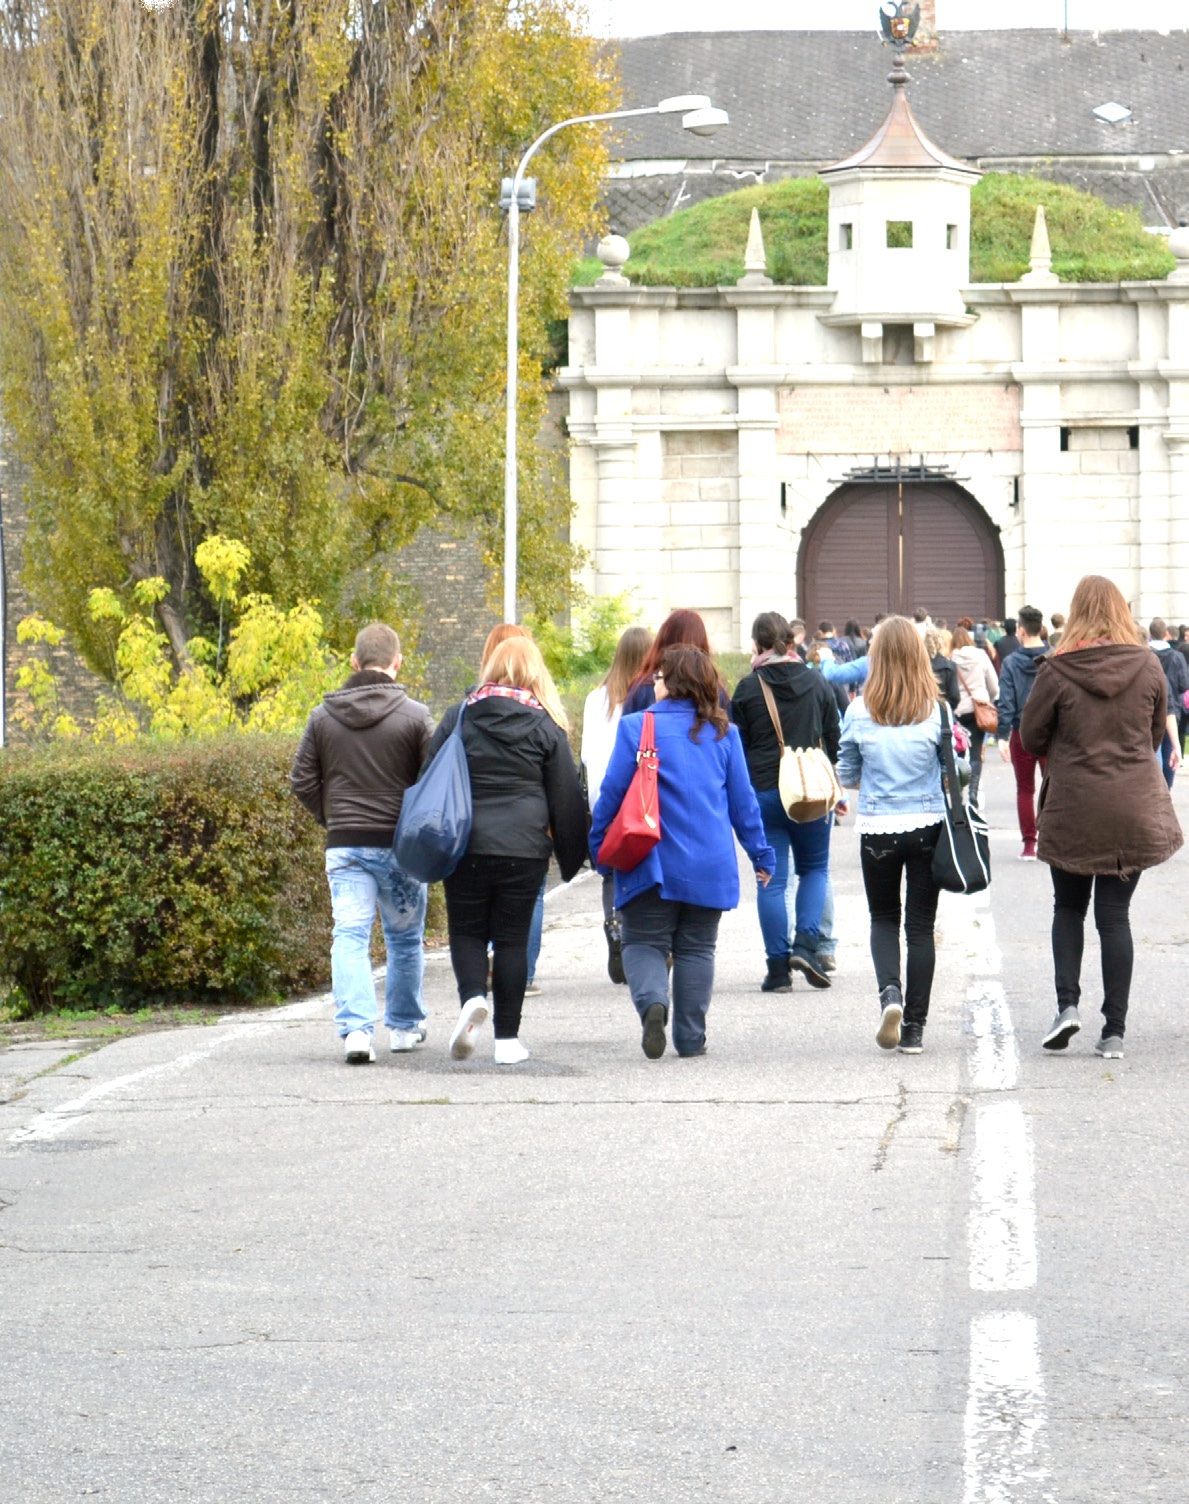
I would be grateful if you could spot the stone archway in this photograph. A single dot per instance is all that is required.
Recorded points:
(891, 546)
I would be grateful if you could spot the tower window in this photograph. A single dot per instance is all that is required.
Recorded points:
(846, 237)
(899, 234)
(951, 237)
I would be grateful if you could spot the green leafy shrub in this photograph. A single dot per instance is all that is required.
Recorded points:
(158, 872)
(703, 246)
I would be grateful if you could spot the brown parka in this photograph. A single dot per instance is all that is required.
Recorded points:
(1098, 715)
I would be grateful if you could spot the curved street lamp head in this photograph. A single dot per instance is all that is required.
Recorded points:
(678, 104)
(706, 121)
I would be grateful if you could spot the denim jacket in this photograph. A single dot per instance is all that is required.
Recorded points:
(896, 769)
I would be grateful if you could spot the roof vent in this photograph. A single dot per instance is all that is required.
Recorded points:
(1111, 113)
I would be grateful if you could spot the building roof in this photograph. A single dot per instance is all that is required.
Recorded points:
(899, 143)
(816, 96)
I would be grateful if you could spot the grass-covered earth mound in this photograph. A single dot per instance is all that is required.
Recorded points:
(703, 246)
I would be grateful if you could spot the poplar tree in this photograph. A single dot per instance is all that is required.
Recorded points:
(252, 283)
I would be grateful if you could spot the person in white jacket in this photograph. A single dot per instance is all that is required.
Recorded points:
(977, 680)
(600, 720)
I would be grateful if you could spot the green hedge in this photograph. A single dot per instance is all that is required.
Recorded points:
(158, 872)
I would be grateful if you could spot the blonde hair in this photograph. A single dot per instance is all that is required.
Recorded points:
(517, 662)
(1098, 610)
(901, 689)
(630, 654)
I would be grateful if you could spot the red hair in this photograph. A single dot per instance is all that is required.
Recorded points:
(680, 629)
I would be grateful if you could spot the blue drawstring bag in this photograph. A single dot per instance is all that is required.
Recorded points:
(435, 814)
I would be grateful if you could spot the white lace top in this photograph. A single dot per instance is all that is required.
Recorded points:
(890, 825)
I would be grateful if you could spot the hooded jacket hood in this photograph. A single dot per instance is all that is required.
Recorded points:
(365, 699)
(797, 677)
(1104, 672)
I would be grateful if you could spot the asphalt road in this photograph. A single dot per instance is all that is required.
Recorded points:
(795, 1269)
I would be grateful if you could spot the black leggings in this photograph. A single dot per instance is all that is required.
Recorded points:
(491, 898)
(885, 859)
(1071, 900)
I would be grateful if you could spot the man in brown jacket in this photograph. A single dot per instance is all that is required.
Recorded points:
(362, 748)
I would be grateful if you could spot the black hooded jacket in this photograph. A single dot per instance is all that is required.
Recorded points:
(362, 748)
(524, 785)
(808, 715)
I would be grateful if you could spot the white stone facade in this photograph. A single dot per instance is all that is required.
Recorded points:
(709, 426)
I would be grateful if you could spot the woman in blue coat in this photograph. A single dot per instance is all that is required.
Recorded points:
(673, 901)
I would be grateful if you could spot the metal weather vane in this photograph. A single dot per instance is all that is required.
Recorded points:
(898, 20)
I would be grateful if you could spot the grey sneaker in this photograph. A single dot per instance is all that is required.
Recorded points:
(400, 1040)
(1064, 1027)
(1110, 1047)
(532, 989)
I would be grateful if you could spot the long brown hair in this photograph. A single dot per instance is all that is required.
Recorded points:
(517, 661)
(630, 653)
(961, 638)
(689, 674)
(1098, 611)
(680, 628)
(901, 689)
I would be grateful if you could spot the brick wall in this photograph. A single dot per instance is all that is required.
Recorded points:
(898, 420)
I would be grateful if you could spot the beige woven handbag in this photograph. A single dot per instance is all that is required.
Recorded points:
(809, 787)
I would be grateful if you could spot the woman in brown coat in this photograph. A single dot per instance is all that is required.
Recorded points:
(1098, 713)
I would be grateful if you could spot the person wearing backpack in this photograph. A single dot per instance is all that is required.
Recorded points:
(527, 804)
(1017, 675)
(1177, 674)
(808, 716)
(362, 748)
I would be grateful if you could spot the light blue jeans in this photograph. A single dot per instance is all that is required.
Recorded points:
(361, 877)
(807, 848)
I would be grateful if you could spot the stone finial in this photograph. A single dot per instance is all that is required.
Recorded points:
(755, 258)
(1040, 257)
(613, 251)
(1178, 244)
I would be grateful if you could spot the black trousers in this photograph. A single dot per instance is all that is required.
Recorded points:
(491, 898)
(1112, 900)
(886, 859)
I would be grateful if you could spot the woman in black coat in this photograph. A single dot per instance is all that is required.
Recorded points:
(527, 804)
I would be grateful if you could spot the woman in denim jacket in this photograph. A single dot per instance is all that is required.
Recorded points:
(889, 752)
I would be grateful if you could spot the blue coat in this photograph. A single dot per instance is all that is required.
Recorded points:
(704, 792)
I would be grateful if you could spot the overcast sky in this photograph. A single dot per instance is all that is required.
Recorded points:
(639, 18)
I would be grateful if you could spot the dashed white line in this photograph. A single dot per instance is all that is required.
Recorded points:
(1005, 1411)
(1002, 1213)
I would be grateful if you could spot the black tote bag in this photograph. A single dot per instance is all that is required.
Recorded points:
(962, 856)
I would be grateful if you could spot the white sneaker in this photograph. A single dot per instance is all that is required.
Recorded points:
(470, 1020)
(509, 1052)
(405, 1039)
(357, 1048)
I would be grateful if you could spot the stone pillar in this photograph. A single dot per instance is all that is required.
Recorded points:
(1044, 505)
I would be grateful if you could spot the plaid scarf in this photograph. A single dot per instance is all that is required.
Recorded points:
(505, 692)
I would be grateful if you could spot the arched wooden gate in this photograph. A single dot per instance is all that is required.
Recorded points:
(896, 545)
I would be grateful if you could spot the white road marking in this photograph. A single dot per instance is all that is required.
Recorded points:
(1005, 1412)
(58, 1120)
(995, 1064)
(1002, 1214)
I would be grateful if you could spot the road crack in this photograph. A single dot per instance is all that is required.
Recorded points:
(885, 1143)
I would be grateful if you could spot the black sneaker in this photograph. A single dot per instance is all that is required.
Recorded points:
(653, 1039)
(891, 1006)
(780, 977)
(614, 952)
(912, 1038)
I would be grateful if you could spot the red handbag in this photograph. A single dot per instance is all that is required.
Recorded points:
(637, 825)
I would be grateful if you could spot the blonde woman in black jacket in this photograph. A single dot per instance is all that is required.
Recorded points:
(527, 804)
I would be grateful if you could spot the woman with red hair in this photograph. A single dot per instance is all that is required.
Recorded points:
(681, 628)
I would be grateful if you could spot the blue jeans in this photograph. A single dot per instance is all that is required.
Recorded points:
(809, 845)
(827, 940)
(534, 933)
(653, 928)
(361, 877)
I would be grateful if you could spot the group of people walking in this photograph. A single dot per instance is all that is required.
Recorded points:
(1091, 713)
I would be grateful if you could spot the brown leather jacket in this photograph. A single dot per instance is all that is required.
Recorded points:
(1098, 715)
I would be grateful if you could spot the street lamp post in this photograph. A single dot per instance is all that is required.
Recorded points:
(698, 116)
